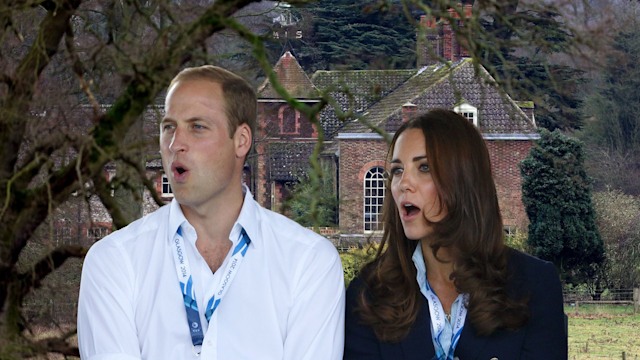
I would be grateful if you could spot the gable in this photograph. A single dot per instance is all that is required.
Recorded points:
(292, 78)
(445, 86)
(355, 91)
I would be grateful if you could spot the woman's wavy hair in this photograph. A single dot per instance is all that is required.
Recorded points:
(471, 228)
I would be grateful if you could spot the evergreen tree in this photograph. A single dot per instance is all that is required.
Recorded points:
(313, 201)
(357, 35)
(557, 197)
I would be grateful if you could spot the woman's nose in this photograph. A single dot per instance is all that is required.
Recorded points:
(406, 182)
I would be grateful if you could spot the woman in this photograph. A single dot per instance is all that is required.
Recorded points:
(443, 284)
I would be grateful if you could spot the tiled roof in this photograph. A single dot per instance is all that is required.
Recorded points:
(291, 77)
(289, 161)
(354, 91)
(444, 86)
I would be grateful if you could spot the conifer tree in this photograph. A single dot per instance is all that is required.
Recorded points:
(557, 197)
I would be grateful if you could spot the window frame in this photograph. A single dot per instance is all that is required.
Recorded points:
(373, 199)
(466, 109)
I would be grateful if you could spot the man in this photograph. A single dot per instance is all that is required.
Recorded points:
(212, 275)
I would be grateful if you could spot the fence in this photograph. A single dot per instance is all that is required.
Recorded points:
(629, 297)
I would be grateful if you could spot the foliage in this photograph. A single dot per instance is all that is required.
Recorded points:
(78, 74)
(612, 107)
(557, 198)
(354, 259)
(356, 35)
(618, 219)
(518, 240)
(528, 73)
(62, 61)
(313, 199)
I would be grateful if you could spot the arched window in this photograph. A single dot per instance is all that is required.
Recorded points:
(373, 198)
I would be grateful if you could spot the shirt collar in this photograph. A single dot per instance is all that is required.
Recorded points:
(247, 219)
(421, 269)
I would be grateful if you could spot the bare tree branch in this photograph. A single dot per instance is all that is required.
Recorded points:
(32, 278)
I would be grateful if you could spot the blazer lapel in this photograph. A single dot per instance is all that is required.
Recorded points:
(419, 344)
(470, 345)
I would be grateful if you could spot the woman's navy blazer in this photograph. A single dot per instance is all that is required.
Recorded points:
(543, 337)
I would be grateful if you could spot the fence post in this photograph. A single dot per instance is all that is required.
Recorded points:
(636, 300)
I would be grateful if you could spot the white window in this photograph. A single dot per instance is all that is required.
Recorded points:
(468, 111)
(373, 199)
(166, 187)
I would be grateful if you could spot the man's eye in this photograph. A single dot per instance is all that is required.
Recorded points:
(199, 127)
(167, 127)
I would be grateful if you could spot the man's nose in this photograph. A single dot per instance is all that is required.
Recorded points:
(178, 141)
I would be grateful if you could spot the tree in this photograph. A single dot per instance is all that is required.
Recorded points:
(557, 198)
(618, 219)
(313, 200)
(61, 61)
(77, 76)
(530, 69)
(612, 131)
(357, 35)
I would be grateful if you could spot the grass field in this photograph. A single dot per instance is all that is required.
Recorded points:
(595, 332)
(603, 332)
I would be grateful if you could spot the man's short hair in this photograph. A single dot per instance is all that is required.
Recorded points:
(240, 98)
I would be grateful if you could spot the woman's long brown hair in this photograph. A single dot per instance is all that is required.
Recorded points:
(472, 228)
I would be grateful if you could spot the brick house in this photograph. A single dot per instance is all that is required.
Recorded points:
(285, 139)
(444, 78)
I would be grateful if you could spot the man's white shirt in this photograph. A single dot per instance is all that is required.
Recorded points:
(286, 300)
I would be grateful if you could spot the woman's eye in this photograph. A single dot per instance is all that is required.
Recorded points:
(395, 171)
(424, 168)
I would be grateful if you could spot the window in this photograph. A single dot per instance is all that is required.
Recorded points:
(468, 111)
(289, 120)
(373, 198)
(166, 187)
(96, 233)
(62, 235)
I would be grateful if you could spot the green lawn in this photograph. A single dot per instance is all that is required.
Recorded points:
(595, 332)
(603, 332)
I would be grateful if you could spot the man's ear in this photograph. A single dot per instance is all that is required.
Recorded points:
(242, 140)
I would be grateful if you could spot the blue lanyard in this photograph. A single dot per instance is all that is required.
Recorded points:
(438, 323)
(186, 283)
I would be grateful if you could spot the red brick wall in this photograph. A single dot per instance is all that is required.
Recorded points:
(356, 157)
(506, 156)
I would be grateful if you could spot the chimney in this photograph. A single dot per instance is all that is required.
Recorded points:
(463, 46)
(450, 43)
(428, 44)
(454, 50)
(408, 111)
